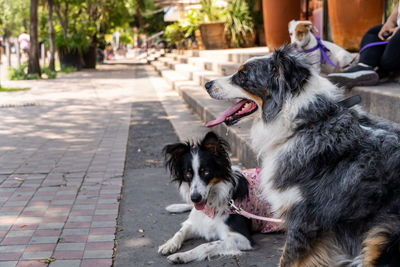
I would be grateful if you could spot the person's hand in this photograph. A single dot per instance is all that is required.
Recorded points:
(388, 27)
(393, 33)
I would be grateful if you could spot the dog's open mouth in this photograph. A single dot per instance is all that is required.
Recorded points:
(233, 114)
(200, 206)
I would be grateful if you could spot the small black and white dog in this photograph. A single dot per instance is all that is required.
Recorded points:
(206, 179)
(332, 172)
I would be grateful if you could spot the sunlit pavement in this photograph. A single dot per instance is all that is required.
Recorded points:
(62, 155)
(64, 145)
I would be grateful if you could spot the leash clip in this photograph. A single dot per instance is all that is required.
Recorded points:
(234, 207)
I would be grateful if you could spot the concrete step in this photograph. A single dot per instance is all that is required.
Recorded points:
(230, 55)
(382, 100)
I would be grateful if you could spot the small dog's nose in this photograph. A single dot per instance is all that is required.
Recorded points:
(195, 197)
(208, 85)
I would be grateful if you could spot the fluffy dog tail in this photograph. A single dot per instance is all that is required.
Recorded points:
(179, 208)
(382, 245)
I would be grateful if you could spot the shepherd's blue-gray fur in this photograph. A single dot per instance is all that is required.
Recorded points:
(332, 172)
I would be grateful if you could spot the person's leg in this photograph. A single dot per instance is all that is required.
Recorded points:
(364, 73)
(390, 60)
(372, 55)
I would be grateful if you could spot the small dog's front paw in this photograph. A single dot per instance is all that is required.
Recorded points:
(177, 258)
(169, 247)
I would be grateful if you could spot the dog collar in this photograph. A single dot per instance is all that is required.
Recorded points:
(323, 49)
(350, 101)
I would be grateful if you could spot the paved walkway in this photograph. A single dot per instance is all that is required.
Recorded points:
(62, 155)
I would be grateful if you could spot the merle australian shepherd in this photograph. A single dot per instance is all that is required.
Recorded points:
(206, 179)
(331, 172)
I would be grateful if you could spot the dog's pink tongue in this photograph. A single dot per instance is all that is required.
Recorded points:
(200, 206)
(221, 118)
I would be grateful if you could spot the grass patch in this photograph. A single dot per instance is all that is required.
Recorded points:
(3, 89)
(67, 70)
(20, 73)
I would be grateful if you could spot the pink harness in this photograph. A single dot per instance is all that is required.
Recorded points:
(253, 207)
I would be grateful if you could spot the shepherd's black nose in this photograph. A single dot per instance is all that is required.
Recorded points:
(195, 197)
(208, 85)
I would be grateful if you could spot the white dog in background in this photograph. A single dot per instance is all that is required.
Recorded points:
(303, 39)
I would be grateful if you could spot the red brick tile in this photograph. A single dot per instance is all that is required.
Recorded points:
(8, 220)
(3, 234)
(74, 238)
(16, 240)
(34, 263)
(99, 246)
(44, 193)
(58, 208)
(97, 263)
(34, 213)
(68, 255)
(89, 192)
(19, 198)
(10, 256)
(55, 219)
(102, 230)
(86, 201)
(81, 213)
(107, 206)
(6, 209)
(64, 197)
(48, 232)
(104, 218)
(40, 203)
(70, 225)
(40, 247)
(32, 226)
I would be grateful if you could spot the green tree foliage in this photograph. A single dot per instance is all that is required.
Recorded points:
(14, 17)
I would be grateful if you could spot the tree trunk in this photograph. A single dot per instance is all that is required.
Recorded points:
(51, 36)
(33, 65)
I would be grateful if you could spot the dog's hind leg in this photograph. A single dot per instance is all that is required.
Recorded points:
(231, 245)
(382, 245)
(177, 240)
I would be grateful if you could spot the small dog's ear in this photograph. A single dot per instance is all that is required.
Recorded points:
(214, 144)
(173, 153)
(175, 150)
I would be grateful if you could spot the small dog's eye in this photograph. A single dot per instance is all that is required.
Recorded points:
(206, 173)
(189, 175)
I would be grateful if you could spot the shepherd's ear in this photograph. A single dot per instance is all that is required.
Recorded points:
(287, 75)
(214, 144)
(288, 69)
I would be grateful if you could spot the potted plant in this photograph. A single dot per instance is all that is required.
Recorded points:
(213, 27)
(277, 15)
(71, 49)
(239, 26)
(348, 26)
(182, 32)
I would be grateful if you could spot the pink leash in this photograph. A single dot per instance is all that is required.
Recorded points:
(248, 215)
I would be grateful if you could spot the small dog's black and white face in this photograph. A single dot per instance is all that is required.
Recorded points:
(262, 83)
(199, 166)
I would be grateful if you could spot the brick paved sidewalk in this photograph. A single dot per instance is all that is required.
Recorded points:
(62, 154)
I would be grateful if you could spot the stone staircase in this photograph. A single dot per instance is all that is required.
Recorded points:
(186, 72)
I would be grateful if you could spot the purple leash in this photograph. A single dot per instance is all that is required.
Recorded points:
(372, 44)
(323, 49)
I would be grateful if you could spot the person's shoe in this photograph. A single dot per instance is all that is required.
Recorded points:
(359, 75)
